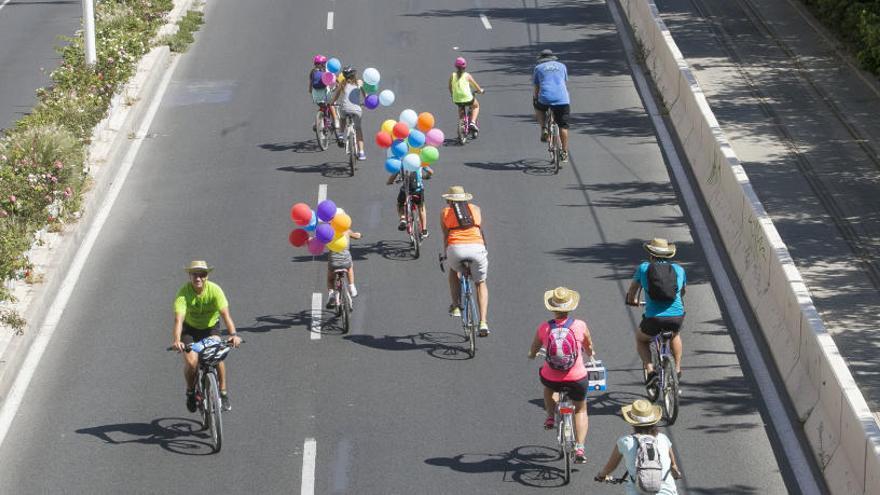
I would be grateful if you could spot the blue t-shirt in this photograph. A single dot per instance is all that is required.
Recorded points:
(661, 308)
(550, 77)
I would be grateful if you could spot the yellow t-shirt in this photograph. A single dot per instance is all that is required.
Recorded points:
(200, 311)
(461, 88)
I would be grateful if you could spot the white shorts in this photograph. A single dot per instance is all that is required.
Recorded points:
(476, 253)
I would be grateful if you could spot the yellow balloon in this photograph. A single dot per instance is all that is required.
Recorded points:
(341, 222)
(338, 244)
(340, 78)
(388, 126)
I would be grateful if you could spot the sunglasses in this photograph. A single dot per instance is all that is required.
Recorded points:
(199, 274)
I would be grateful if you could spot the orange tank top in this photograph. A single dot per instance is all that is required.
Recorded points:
(470, 235)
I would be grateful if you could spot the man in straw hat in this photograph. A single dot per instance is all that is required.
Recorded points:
(197, 310)
(566, 340)
(551, 93)
(463, 240)
(643, 416)
(663, 284)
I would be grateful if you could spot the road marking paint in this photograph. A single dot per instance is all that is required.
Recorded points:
(310, 452)
(330, 20)
(769, 393)
(4, 4)
(485, 21)
(322, 192)
(53, 316)
(316, 316)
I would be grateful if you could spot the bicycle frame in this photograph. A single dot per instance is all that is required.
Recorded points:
(464, 124)
(344, 303)
(667, 381)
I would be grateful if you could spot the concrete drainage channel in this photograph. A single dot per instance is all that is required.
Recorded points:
(841, 431)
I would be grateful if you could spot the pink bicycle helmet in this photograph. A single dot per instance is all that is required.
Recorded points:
(460, 62)
(319, 59)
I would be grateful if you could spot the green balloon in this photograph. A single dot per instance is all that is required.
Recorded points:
(371, 88)
(429, 154)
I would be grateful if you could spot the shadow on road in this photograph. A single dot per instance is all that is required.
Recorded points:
(527, 465)
(441, 345)
(179, 435)
(530, 166)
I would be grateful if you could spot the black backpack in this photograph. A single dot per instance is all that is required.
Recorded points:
(662, 282)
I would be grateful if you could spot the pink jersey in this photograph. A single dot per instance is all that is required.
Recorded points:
(576, 372)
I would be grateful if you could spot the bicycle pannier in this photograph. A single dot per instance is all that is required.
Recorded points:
(662, 282)
(562, 346)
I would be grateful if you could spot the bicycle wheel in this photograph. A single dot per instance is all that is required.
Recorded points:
(462, 131)
(555, 148)
(321, 131)
(352, 152)
(213, 411)
(670, 391)
(472, 319)
(567, 444)
(345, 303)
(415, 234)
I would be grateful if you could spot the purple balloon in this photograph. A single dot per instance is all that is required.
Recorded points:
(326, 210)
(371, 101)
(324, 233)
(316, 247)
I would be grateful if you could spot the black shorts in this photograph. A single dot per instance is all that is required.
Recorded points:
(577, 391)
(191, 335)
(656, 324)
(465, 104)
(401, 198)
(560, 112)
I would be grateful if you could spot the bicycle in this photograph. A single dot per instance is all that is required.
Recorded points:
(464, 126)
(467, 303)
(564, 420)
(342, 295)
(413, 219)
(666, 387)
(212, 351)
(323, 125)
(350, 140)
(554, 141)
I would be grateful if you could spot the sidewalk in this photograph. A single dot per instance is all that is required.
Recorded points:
(804, 121)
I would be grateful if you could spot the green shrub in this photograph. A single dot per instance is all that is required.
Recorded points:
(188, 24)
(857, 23)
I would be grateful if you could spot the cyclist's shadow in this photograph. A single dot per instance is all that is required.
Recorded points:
(526, 465)
(179, 435)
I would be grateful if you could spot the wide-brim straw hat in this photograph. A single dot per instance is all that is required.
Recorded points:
(456, 193)
(641, 413)
(546, 55)
(199, 266)
(661, 248)
(561, 300)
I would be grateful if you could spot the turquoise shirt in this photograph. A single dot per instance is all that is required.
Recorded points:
(661, 308)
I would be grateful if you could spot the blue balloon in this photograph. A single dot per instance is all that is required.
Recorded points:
(416, 138)
(399, 148)
(313, 224)
(392, 165)
(333, 65)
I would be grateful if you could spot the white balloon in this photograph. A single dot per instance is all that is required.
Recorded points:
(371, 76)
(386, 97)
(412, 162)
(409, 117)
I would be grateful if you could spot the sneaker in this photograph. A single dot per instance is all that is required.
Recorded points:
(424, 234)
(331, 299)
(352, 290)
(402, 225)
(564, 156)
(474, 128)
(362, 156)
(580, 457)
(545, 134)
(191, 401)
(484, 329)
(224, 402)
(549, 423)
(340, 142)
(454, 311)
(651, 379)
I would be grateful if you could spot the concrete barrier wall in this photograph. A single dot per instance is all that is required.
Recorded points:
(842, 432)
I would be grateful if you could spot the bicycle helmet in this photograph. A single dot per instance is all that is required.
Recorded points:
(348, 71)
(319, 59)
(460, 62)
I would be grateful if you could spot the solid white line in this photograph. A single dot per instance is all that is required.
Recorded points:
(4, 4)
(310, 452)
(41, 341)
(485, 21)
(330, 20)
(316, 316)
(322, 192)
(769, 393)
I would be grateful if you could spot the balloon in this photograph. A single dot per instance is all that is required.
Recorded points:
(399, 148)
(313, 223)
(326, 210)
(425, 121)
(371, 101)
(416, 138)
(429, 154)
(386, 97)
(392, 165)
(324, 233)
(412, 162)
(298, 237)
(434, 137)
(341, 222)
(401, 130)
(389, 153)
(409, 117)
(383, 139)
(338, 244)
(340, 78)
(333, 65)
(301, 214)
(388, 126)
(316, 247)
(371, 76)
(328, 78)
(370, 89)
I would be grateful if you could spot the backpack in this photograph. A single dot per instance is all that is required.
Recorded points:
(317, 81)
(562, 346)
(462, 215)
(649, 472)
(662, 282)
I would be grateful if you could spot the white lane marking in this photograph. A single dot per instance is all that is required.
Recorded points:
(769, 393)
(485, 21)
(310, 452)
(316, 316)
(4, 4)
(41, 341)
(322, 192)
(330, 20)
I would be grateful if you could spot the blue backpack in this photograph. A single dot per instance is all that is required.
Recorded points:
(317, 81)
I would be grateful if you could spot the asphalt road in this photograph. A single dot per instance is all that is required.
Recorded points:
(396, 406)
(29, 31)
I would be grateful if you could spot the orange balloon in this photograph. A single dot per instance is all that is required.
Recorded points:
(341, 222)
(425, 122)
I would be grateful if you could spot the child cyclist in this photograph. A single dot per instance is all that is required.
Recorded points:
(351, 91)
(319, 91)
(341, 261)
(417, 190)
(460, 83)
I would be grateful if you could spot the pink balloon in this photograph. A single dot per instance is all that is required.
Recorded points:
(316, 247)
(434, 137)
(328, 78)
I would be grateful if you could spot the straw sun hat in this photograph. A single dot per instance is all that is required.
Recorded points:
(198, 266)
(561, 300)
(546, 55)
(661, 248)
(641, 413)
(456, 193)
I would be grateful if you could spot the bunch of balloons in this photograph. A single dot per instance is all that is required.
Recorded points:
(329, 76)
(325, 226)
(374, 98)
(411, 141)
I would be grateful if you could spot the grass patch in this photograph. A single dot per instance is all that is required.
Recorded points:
(186, 26)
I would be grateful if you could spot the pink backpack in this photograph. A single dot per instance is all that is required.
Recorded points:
(562, 346)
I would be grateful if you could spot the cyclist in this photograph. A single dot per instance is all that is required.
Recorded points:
(352, 92)
(463, 240)
(643, 416)
(561, 301)
(551, 93)
(318, 90)
(339, 261)
(417, 190)
(460, 83)
(197, 310)
(660, 314)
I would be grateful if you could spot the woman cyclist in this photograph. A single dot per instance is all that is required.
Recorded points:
(460, 83)
(318, 90)
(352, 93)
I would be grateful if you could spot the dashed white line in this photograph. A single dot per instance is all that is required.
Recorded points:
(316, 316)
(330, 20)
(485, 21)
(322, 192)
(310, 453)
